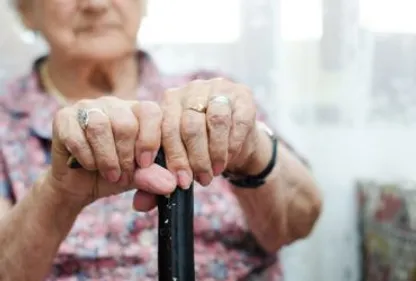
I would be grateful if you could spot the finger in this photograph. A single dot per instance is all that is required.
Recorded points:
(218, 118)
(125, 128)
(175, 152)
(155, 180)
(101, 139)
(243, 120)
(194, 133)
(143, 201)
(69, 139)
(148, 142)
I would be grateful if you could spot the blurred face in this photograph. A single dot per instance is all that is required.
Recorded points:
(86, 29)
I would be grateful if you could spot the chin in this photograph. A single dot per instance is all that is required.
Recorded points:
(103, 49)
(105, 55)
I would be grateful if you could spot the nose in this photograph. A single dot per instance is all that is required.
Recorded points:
(94, 6)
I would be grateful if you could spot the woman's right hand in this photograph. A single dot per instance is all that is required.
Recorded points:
(118, 137)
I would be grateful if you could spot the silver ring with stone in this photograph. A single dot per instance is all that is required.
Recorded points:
(83, 116)
(220, 99)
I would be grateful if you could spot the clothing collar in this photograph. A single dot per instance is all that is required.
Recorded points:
(28, 98)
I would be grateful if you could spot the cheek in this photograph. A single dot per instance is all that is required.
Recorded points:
(132, 27)
(131, 13)
(59, 11)
(56, 21)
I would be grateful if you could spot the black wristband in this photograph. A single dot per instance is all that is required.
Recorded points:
(247, 181)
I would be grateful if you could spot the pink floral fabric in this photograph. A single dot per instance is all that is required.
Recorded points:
(110, 241)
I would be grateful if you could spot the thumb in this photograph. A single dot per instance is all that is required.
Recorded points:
(155, 180)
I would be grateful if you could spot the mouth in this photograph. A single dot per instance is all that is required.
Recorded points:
(97, 28)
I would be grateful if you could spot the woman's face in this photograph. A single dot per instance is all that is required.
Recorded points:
(86, 29)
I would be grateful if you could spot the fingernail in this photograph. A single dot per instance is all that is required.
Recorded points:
(113, 176)
(218, 168)
(184, 179)
(146, 159)
(204, 179)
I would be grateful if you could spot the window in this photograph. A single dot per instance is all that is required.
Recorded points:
(389, 16)
(191, 21)
(301, 19)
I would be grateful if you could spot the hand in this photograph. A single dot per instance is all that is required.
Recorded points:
(208, 126)
(116, 133)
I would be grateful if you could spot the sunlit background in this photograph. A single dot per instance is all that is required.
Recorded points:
(337, 77)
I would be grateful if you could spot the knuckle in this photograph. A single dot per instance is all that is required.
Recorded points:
(219, 79)
(152, 110)
(57, 121)
(169, 130)
(170, 94)
(147, 143)
(200, 165)
(106, 160)
(218, 149)
(76, 146)
(80, 149)
(126, 163)
(125, 127)
(108, 163)
(109, 100)
(89, 164)
(191, 129)
(196, 82)
(219, 157)
(177, 160)
(97, 128)
(62, 116)
(84, 103)
(219, 120)
(63, 113)
(244, 123)
(233, 149)
(198, 159)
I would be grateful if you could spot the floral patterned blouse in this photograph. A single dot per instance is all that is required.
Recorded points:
(109, 240)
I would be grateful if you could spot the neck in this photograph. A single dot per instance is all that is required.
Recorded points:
(77, 79)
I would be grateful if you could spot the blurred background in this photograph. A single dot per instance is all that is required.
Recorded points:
(337, 78)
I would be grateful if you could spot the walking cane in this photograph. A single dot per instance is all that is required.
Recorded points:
(176, 230)
(176, 233)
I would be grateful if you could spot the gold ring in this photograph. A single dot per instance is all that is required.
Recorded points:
(200, 108)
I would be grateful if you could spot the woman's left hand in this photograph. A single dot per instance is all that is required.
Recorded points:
(208, 126)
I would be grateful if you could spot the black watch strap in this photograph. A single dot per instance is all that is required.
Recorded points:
(248, 181)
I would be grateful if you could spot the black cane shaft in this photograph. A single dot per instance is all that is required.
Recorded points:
(176, 233)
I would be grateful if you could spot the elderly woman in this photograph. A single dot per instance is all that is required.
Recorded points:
(97, 98)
